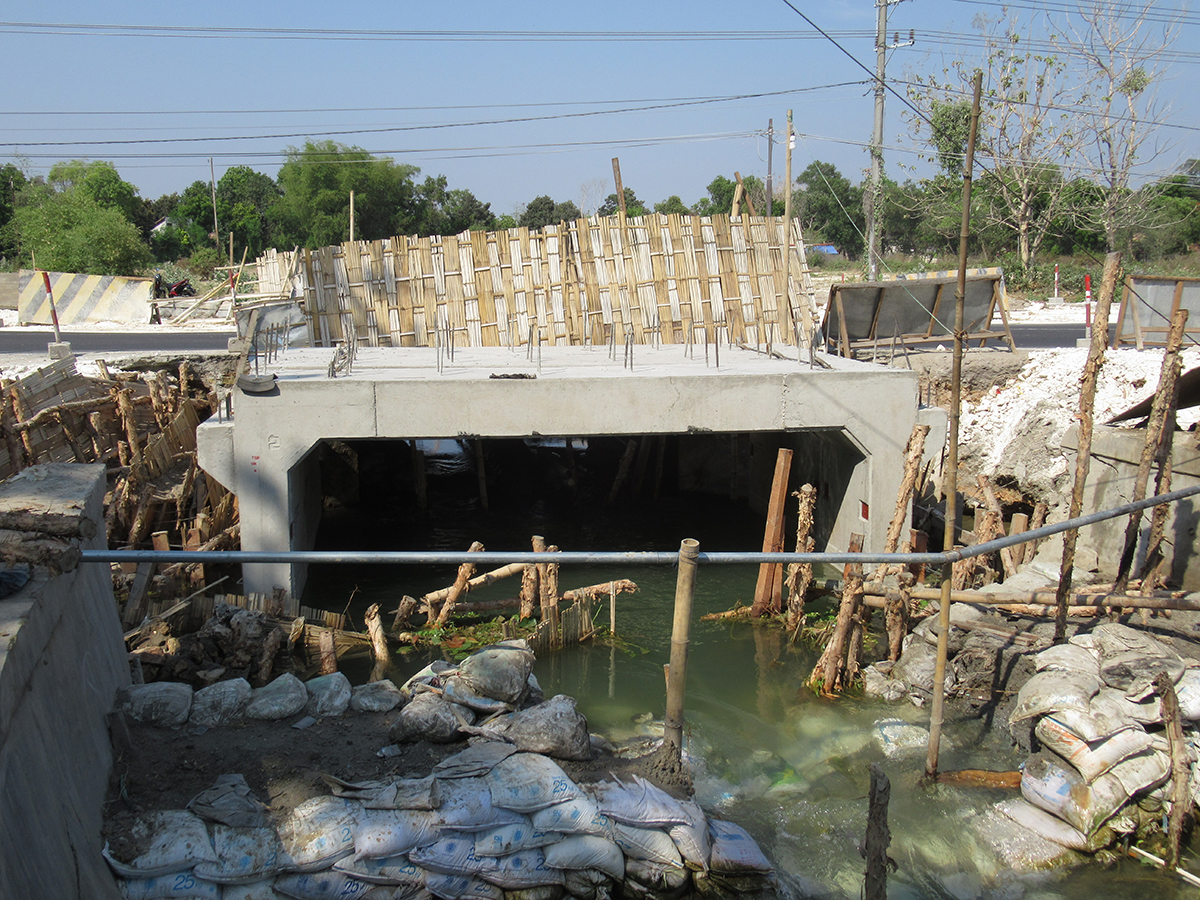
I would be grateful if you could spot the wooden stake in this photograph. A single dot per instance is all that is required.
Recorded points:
(328, 649)
(878, 836)
(1019, 524)
(465, 571)
(685, 588)
(827, 675)
(374, 623)
(1181, 801)
(799, 577)
(989, 497)
(1083, 459)
(768, 593)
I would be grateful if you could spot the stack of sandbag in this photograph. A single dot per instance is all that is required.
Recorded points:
(488, 822)
(1103, 757)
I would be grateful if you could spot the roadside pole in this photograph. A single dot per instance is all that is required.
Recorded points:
(60, 349)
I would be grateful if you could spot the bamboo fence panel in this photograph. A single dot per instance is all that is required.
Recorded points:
(672, 279)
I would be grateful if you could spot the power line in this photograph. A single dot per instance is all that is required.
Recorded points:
(1165, 15)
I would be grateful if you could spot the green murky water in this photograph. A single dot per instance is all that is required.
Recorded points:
(791, 767)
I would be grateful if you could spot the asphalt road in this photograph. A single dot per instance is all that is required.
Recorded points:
(1041, 337)
(35, 341)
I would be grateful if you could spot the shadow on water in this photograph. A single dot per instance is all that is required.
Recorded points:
(789, 766)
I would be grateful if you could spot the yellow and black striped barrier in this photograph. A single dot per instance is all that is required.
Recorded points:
(83, 298)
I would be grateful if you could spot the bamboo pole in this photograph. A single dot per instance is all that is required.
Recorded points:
(685, 588)
(1155, 428)
(1087, 400)
(951, 476)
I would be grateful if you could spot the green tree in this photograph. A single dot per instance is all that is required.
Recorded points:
(611, 205)
(720, 198)
(830, 207)
(542, 211)
(446, 211)
(12, 182)
(672, 206)
(316, 181)
(245, 198)
(68, 231)
(97, 180)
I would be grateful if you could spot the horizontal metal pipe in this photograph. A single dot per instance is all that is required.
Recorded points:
(630, 557)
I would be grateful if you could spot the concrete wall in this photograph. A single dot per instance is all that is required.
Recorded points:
(62, 659)
(574, 392)
(1110, 482)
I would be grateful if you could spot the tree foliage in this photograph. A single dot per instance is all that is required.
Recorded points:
(542, 211)
(830, 207)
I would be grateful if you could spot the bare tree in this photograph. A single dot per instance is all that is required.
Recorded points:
(1120, 49)
(1026, 133)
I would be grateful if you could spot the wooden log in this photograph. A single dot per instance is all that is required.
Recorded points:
(12, 439)
(478, 581)
(51, 413)
(1019, 524)
(374, 623)
(913, 451)
(404, 611)
(222, 541)
(136, 604)
(919, 542)
(800, 575)
(896, 620)
(768, 592)
(1044, 599)
(266, 662)
(530, 592)
(68, 525)
(1181, 801)
(591, 593)
(827, 675)
(327, 647)
(878, 836)
(993, 505)
(35, 549)
(18, 410)
(125, 409)
(465, 571)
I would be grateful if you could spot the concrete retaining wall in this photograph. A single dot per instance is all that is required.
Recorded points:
(62, 659)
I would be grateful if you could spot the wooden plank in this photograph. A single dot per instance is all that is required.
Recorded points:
(768, 591)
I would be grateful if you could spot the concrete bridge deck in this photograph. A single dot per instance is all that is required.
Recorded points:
(856, 418)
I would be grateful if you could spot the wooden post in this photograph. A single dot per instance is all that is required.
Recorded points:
(530, 589)
(827, 674)
(878, 835)
(681, 628)
(736, 209)
(800, 575)
(616, 163)
(465, 571)
(374, 622)
(1160, 411)
(1181, 801)
(989, 497)
(768, 593)
(404, 611)
(352, 215)
(1083, 458)
(745, 193)
(913, 451)
(328, 649)
(1019, 524)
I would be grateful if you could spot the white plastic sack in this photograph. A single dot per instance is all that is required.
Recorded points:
(259, 890)
(734, 852)
(173, 886)
(500, 672)
(452, 854)
(587, 851)
(222, 703)
(658, 878)
(1045, 825)
(457, 689)
(1147, 711)
(390, 870)
(639, 803)
(328, 885)
(467, 806)
(1049, 691)
(163, 703)
(507, 839)
(579, 815)
(1102, 720)
(318, 832)
(692, 839)
(1187, 692)
(461, 887)
(587, 884)
(527, 782)
(1053, 785)
(378, 696)
(1067, 658)
(554, 728)
(541, 892)
(388, 833)
(1112, 638)
(521, 871)
(427, 717)
(1142, 772)
(1134, 672)
(476, 760)
(170, 841)
(328, 695)
(246, 855)
(1095, 758)
(283, 697)
(895, 737)
(651, 844)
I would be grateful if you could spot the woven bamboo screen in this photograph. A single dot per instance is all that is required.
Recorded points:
(671, 279)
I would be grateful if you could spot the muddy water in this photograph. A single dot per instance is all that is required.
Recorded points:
(790, 767)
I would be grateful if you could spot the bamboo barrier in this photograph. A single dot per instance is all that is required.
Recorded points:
(658, 278)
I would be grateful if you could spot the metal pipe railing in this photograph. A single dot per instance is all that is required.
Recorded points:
(631, 557)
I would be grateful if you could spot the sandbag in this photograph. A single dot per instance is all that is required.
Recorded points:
(1067, 658)
(388, 870)
(387, 833)
(258, 890)
(1113, 638)
(222, 703)
(1092, 759)
(520, 871)
(587, 851)
(1050, 691)
(1143, 772)
(283, 697)
(457, 689)
(553, 728)
(377, 697)
(1134, 672)
(541, 892)
(1043, 824)
(467, 806)
(579, 815)
(321, 886)
(692, 839)
(164, 843)
(639, 803)
(318, 832)
(1187, 692)
(477, 759)
(461, 887)
(452, 854)
(503, 840)
(172, 886)
(164, 703)
(527, 782)
(587, 884)
(427, 717)
(328, 695)
(246, 855)
(500, 672)
(401, 793)
(1102, 719)
(651, 844)
(659, 878)
(1147, 711)
(734, 851)
(1051, 783)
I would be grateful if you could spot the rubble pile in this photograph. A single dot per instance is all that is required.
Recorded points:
(499, 820)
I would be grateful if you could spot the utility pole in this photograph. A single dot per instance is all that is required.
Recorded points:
(770, 156)
(873, 196)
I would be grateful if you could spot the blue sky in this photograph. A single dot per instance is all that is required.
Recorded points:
(271, 93)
